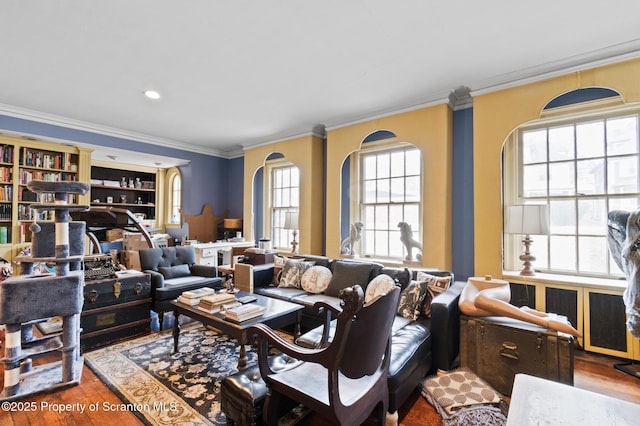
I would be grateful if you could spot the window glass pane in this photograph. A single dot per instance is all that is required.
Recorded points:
(534, 146)
(397, 163)
(622, 175)
(412, 217)
(369, 241)
(295, 197)
(381, 245)
(539, 250)
(396, 248)
(534, 181)
(561, 178)
(562, 254)
(561, 145)
(628, 204)
(412, 161)
(397, 190)
(368, 214)
(593, 254)
(295, 176)
(412, 188)
(383, 166)
(369, 195)
(592, 216)
(622, 135)
(382, 218)
(562, 217)
(369, 167)
(286, 197)
(590, 176)
(383, 191)
(590, 139)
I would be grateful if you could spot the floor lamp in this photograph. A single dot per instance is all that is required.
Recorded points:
(291, 222)
(526, 220)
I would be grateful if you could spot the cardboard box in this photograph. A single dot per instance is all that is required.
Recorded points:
(134, 241)
(114, 234)
(131, 259)
(160, 242)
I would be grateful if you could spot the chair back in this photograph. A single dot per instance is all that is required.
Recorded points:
(153, 258)
(368, 337)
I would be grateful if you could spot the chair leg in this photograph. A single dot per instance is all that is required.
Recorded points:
(160, 319)
(270, 409)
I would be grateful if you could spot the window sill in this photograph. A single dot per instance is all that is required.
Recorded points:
(566, 280)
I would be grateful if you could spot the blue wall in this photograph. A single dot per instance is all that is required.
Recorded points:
(462, 241)
(206, 178)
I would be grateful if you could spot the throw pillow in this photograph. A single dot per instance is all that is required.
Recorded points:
(378, 286)
(347, 274)
(292, 273)
(457, 389)
(411, 300)
(176, 271)
(435, 286)
(316, 279)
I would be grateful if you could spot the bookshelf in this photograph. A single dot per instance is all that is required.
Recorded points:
(23, 160)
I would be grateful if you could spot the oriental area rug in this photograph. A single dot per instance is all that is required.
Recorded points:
(164, 388)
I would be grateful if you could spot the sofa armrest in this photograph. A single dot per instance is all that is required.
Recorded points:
(204, 271)
(445, 327)
(157, 279)
(262, 275)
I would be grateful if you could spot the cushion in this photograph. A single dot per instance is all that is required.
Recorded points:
(316, 279)
(435, 286)
(278, 264)
(411, 300)
(457, 389)
(176, 271)
(292, 273)
(347, 274)
(378, 286)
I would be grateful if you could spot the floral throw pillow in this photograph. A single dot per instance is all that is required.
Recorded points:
(292, 273)
(316, 279)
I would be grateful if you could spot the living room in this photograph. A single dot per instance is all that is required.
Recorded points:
(463, 138)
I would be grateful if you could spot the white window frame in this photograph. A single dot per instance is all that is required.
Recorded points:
(174, 198)
(274, 214)
(513, 194)
(388, 235)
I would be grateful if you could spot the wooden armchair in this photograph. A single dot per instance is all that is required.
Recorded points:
(345, 380)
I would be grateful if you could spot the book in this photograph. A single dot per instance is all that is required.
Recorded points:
(198, 293)
(192, 301)
(243, 312)
(213, 302)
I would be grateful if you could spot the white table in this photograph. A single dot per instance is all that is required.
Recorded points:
(540, 402)
(207, 253)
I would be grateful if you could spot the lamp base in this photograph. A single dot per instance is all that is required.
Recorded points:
(527, 258)
(294, 243)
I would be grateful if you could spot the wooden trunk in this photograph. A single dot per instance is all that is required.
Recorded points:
(115, 309)
(497, 348)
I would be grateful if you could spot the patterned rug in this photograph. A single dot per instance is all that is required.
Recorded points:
(164, 388)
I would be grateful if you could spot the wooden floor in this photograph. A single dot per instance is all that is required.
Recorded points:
(592, 372)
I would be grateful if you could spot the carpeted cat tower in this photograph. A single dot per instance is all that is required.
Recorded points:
(27, 299)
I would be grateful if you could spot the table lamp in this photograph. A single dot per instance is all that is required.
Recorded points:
(527, 219)
(291, 222)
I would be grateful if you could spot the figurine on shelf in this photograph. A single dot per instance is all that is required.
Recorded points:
(123, 182)
(131, 183)
(138, 184)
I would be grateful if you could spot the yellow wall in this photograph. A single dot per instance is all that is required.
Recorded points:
(496, 115)
(307, 153)
(429, 129)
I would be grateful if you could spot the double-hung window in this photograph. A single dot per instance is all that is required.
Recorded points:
(284, 190)
(582, 169)
(390, 182)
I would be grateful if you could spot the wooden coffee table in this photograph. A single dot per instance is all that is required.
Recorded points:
(277, 314)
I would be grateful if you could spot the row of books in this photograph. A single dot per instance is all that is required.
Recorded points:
(209, 301)
(47, 160)
(26, 176)
(6, 153)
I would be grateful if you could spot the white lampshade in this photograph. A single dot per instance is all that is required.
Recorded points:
(291, 220)
(528, 219)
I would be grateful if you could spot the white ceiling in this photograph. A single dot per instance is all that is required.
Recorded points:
(239, 73)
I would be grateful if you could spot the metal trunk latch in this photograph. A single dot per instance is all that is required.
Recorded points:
(116, 289)
(509, 350)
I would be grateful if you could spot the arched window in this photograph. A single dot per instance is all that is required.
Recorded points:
(174, 196)
(583, 162)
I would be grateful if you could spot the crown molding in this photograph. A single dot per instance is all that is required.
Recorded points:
(69, 123)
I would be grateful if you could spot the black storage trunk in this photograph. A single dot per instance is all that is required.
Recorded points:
(497, 348)
(115, 309)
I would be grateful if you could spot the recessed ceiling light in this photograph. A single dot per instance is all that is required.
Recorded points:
(152, 94)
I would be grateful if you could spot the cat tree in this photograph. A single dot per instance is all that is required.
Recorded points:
(26, 299)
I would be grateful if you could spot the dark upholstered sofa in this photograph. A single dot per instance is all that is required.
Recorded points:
(419, 346)
(174, 270)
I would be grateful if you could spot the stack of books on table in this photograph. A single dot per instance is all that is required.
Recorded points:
(243, 312)
(192, 297)
(213, 302)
